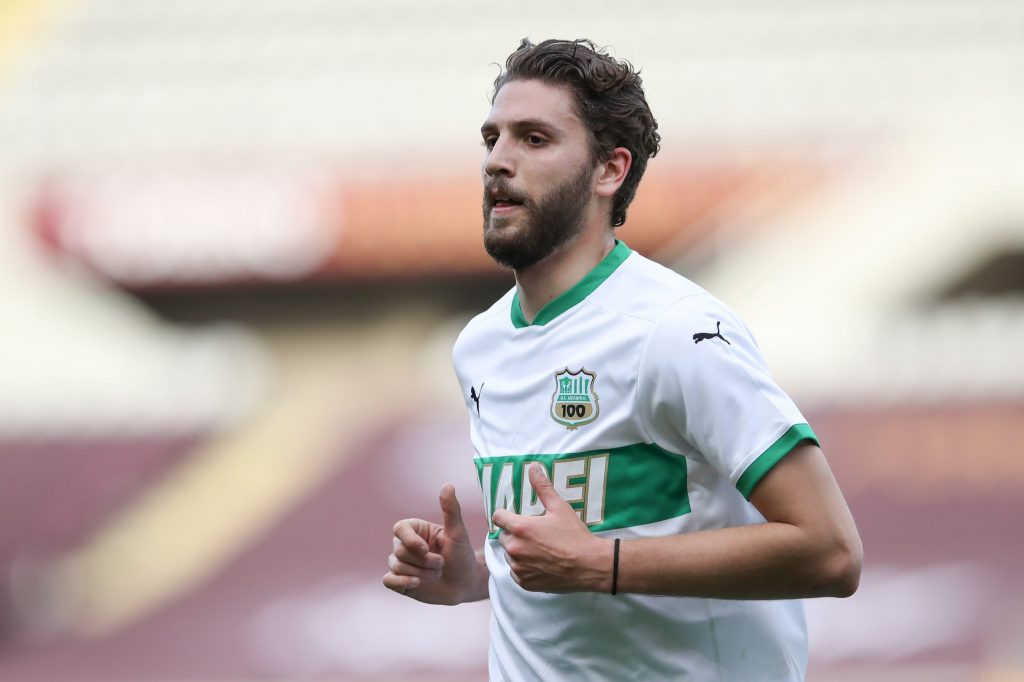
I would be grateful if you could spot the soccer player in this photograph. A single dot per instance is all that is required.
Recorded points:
(657, 504)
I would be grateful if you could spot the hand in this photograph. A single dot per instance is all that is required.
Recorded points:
(554, 552)
(436, 564)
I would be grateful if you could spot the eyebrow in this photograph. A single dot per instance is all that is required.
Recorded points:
(521, 126)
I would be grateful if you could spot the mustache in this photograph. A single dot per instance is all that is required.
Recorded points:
(502, 187)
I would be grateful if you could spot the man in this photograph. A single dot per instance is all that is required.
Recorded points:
(656, 501)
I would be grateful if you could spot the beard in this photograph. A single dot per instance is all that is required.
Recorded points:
(550, 222)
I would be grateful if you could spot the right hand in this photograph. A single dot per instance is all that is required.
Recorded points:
(435, 564)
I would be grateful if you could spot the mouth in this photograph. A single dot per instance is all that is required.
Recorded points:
(502, 200)
(502, 206)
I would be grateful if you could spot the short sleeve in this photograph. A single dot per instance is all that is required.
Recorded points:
(704, 387)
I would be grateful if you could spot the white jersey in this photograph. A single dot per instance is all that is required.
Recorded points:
(649, 404)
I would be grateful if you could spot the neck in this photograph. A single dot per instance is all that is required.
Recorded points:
(551, 277)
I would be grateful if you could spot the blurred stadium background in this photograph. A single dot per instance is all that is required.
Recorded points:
(238, 238)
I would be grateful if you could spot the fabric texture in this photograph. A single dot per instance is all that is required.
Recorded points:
(649, 404)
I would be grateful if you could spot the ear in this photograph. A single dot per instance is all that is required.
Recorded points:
(612, 172)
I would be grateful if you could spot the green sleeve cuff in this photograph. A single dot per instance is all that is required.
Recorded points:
(796, 434)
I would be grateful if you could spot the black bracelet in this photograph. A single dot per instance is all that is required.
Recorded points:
(615, 569)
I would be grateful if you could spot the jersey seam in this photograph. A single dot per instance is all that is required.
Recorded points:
(786, 426)
(654, 319)
(759, 391)
(655, 323)
(640, 379)
(751, 456)
(757, 453)
(576, 294)
(714, 638)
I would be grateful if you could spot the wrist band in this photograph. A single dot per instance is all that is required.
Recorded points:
(615, 568)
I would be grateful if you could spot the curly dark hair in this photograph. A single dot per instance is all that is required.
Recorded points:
(609, 100)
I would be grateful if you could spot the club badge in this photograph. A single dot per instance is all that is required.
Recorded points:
(574, 402)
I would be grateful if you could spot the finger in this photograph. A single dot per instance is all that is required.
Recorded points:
(430, 560)
(515, 577)
(399, 567)
(400, 583)
(506, 520)
(505, 539)
(411, 533)
(451, 510)
(545, 490)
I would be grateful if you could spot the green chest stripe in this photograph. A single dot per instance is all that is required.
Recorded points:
(614, 488)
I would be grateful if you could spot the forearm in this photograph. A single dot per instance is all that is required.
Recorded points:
(809, 547)
(764, 561)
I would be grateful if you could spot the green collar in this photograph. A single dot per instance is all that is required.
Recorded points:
(592, 280)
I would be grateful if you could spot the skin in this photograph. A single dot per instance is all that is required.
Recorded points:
(808, 546)
(435, 563)
(534, 140)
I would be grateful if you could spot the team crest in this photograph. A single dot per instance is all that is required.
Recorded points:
(574, 402)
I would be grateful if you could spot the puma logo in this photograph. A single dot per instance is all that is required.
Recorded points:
(476, 397)
(704, 336)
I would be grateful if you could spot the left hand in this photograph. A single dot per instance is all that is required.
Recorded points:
(554, 552)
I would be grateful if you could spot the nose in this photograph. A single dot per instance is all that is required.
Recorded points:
(500, 159)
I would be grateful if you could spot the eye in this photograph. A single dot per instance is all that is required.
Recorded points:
(489, 140)
(535, 140)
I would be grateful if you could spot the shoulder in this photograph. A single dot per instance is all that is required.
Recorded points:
(485, 326)
(699, 330)
(648, 291)
(682, 322)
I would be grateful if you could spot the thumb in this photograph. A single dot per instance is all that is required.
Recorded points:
(451, 511)
(545, 490)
